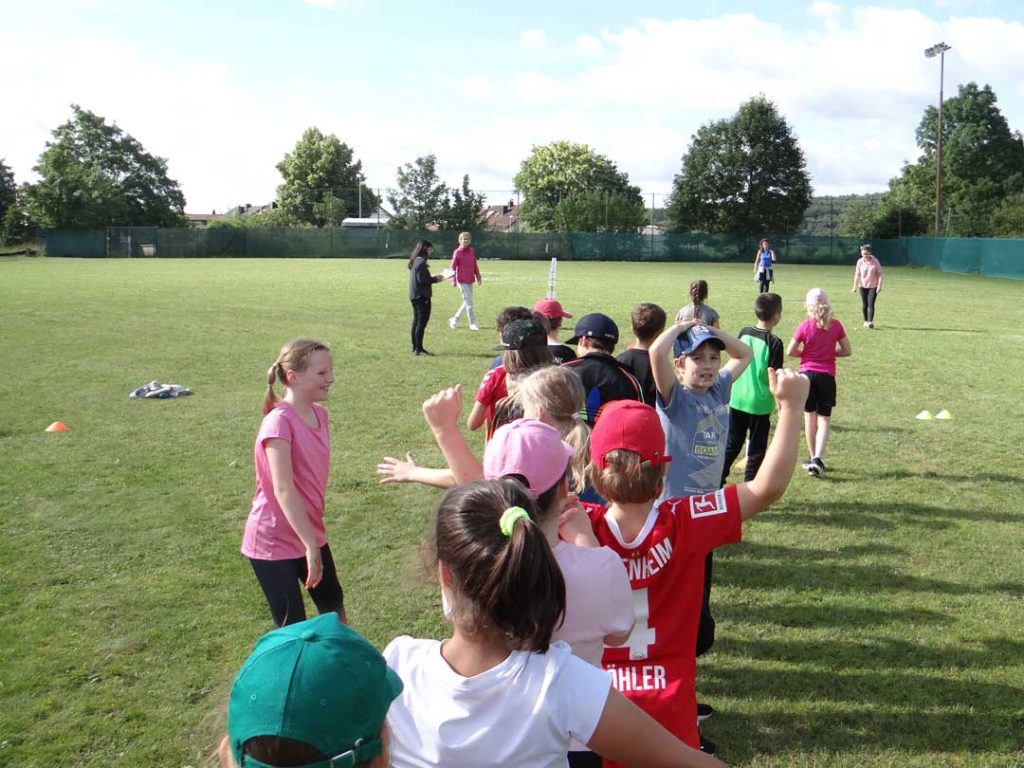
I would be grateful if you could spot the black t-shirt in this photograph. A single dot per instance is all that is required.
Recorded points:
(604, 379)
(561, 353)
(639, 362)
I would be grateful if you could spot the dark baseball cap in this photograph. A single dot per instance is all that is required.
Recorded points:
(687, 343)
(595, 326)
(520, 334)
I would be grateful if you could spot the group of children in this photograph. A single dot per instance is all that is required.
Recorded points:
(574, 558)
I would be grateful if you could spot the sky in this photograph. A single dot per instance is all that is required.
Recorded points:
(223, 90)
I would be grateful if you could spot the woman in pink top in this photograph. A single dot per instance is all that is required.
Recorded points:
(818, 341)
(867, 276)
(284, 536)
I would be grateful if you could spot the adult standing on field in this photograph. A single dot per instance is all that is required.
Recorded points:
(867, 277)
(764, 266)
(421, 288)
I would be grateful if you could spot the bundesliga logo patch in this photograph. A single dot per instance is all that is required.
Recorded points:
(709, 504)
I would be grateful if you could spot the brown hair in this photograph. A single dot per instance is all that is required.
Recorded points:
(626, 479)
(284, 752)
(506, 584)
(767, 305)
(698, 292)
(508, 314)
(559, 394)
(648, 321)
(294, 357)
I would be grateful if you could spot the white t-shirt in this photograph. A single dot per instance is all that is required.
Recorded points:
(598, 599)
(523, 712)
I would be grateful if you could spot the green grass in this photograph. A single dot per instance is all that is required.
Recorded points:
(871, 619)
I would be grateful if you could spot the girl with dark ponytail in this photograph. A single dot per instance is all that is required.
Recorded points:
(499, 692)
(698, 309)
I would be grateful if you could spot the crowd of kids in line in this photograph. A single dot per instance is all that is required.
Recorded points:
(574, 557)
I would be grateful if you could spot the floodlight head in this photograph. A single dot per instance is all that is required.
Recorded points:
(936, 49)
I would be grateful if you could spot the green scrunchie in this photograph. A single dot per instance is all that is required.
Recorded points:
(510, 517)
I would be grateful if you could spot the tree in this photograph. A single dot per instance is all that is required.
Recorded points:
(421, 197)
(564, 170)
(323, 183)
(14, 222)
(745, 175)
(8, 189)
(600, 212)
(1008, 218)
(464, 209)
(94, 174)
(982, 163)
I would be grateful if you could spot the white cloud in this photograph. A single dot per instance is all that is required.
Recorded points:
(534, 39)
(589, 45)
(827, 12)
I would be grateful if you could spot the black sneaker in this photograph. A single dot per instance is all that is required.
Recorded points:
(704, 712)
(817, 467)
(708, 747)
(808, 464)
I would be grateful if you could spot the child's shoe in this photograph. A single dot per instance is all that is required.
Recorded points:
(474, 327)
(704, 712)
(817, 467)
(452, 323)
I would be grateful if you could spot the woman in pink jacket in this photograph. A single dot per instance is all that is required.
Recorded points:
(867, 276)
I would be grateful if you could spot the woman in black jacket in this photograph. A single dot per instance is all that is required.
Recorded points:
(421, 284)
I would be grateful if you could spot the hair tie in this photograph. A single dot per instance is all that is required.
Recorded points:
(510, 517)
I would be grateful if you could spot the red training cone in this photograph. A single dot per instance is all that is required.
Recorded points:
(58, 426)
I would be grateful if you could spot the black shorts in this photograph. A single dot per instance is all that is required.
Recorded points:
(821, 397)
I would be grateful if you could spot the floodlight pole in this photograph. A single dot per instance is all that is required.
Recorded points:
(939, 49)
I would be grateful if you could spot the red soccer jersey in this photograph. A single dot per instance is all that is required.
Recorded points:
(657, 666)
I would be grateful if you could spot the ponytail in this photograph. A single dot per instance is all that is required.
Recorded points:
(821, 313)
(294, 357)
(504, 576)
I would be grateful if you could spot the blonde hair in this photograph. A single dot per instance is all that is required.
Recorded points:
(821, 313)
(626, 479)
(294, 356)
(558, 393)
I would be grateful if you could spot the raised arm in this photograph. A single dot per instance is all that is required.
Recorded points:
(661, 363)
(739, 353)
(395, 470)
(279, 459)
(442, 414)
(790, 390)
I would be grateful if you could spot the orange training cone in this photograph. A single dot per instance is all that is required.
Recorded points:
(58, 426)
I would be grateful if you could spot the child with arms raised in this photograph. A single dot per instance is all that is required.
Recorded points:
(664, 545)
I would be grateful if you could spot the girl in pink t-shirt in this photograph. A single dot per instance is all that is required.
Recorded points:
(818, 341)
(284, 536)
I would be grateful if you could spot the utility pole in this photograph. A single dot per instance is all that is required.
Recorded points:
(939, 49)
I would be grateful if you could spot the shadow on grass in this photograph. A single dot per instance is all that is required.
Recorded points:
(817, 616)
(754, 566)
(902, 474)
(869, 515)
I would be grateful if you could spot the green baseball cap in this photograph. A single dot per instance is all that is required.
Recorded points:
(318, 682)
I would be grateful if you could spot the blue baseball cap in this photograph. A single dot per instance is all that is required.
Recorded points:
(687, 343)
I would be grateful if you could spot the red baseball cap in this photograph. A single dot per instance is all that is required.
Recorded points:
(550, 308)
(631, 426)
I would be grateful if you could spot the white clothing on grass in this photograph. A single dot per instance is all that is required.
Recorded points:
(523, 713)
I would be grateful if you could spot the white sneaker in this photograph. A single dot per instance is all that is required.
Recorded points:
(867, 324)
(474, 327)
(452, 323)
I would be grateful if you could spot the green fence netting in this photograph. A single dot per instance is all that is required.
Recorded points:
(996, 258)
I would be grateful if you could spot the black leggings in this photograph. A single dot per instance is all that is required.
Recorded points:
(739, 423)
(280, 580)
(867, 303)
(420, 318)
(764, 280)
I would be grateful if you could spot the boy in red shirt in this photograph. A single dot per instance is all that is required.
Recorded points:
(663, 547)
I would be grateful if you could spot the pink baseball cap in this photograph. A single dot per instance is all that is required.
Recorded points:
(530, 448)
(631, 426)
(550, 308)
(816, 296)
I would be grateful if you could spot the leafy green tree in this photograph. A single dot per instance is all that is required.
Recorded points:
(94, 174)
(463, 210)
(601, 212)
(982, 163)
(8, 189)
(323, 182)
(421, 198)
(1008, 218)
(745, 175)
(563, 170)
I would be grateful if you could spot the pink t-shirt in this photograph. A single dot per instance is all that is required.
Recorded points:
(598, 599)
(268, 534)
(465, 266)
(819, 353)
(867, 273)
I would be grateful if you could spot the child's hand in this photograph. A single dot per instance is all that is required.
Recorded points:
(395, 470)
(480, 280)
(314, 567)
(684, 325)
(442, 410)
(789, 387)
(574, 525)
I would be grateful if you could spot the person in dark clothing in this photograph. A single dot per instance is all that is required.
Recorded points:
(604, 378)
(421, 286)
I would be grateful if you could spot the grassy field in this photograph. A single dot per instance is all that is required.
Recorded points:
(870, 619)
